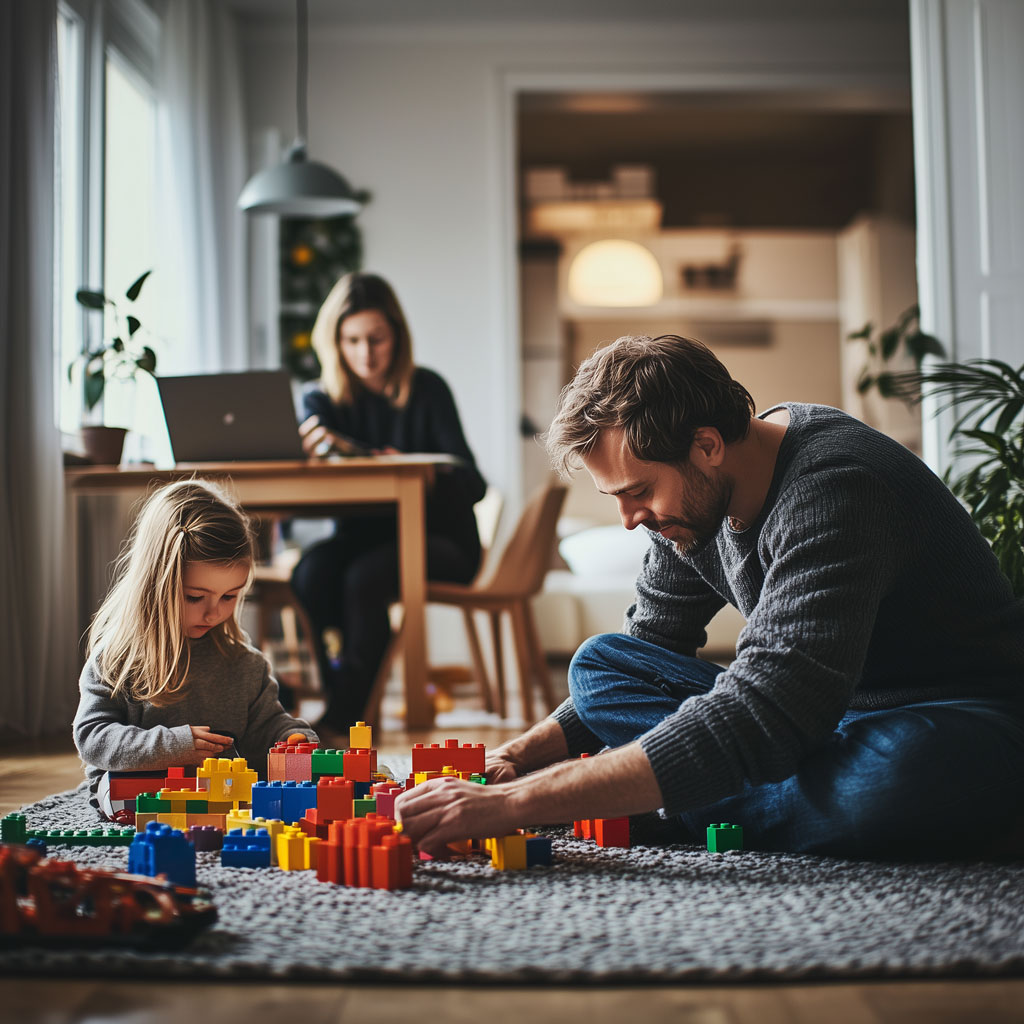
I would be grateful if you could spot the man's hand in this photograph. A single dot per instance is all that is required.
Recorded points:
(441, 811)
(499, 767)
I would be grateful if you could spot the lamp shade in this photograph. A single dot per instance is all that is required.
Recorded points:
(615, 272)
(299, 188)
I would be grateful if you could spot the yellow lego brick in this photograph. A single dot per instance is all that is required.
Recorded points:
(238, 818)
(509, 853)
(172, 819)
(177, 798)
(219, 806)
(227, 779)
(291, 849)
(360, 737)
(423, 776)
(143, 818)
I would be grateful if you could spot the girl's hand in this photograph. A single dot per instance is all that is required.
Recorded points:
(209, 742)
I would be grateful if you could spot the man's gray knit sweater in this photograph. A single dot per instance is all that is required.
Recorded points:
(864, 583)
(232, 693)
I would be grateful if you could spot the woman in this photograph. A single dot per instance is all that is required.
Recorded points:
(373, 396)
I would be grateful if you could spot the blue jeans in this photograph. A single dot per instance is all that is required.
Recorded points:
(933, 780)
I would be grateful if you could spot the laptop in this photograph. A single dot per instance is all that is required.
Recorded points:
(226, 417)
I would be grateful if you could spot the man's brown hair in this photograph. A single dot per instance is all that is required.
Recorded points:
(659, 391)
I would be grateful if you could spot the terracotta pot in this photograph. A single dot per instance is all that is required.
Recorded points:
(103, 445)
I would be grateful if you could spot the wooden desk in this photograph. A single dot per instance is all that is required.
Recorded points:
(329, 486)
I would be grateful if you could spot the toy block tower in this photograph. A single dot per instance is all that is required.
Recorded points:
(161, 850)
(227, 779)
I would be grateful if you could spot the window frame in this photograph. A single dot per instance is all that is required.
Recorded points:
(129, 32)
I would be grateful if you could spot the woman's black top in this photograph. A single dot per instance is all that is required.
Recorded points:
(427, 423)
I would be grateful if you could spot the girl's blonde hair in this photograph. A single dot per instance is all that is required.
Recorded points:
(137, 634)
(357, 293)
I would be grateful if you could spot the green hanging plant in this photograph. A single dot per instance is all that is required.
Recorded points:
(120, 356)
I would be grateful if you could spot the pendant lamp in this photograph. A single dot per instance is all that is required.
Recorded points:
(299, 187)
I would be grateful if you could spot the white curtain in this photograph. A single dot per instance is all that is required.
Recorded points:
(38, 643)
(201, 161)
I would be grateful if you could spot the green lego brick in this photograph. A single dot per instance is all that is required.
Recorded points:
(478, 778)
(327, 762)
(725, 837)
(197, 806)
(363, 806)
(83, 836)
(147, 803)
(12, 828)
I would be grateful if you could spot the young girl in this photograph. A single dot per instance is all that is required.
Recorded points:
(170, 677)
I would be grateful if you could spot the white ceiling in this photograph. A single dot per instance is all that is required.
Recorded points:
(383, 12)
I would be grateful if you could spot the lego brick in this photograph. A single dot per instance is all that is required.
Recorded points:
(275, 763)
(240, 818)
(298, 765)
(327, 762)
(128, 785)
(360, 736)
(362, 807)
(725, 837)
(246, 848)
(509, 853)
(206, 837)
(612, 832)
(181, 778)
(360, 765)
(223, 778)
(146, 802)
(13, 828)
(392, 863)
(334, 798)
(296, 799)
(385, 793)
(538, 850)
(163, 850)
(178, 821)
(266, 799)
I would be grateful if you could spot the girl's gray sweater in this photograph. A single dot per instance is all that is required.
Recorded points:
(233, 694)
(864, 584)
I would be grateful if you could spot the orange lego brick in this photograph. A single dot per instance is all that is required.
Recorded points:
(612, 832)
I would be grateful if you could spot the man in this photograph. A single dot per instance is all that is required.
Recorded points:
(875, 706)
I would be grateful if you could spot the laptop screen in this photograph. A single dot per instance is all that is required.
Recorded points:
(224, 417)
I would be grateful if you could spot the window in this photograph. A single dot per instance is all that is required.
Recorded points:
(105, 177)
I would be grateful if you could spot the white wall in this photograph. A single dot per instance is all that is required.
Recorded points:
(422, 116)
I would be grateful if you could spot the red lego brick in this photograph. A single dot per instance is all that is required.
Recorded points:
(129, 786)
(612, 832)
(334, 797)
(177, 779)
(360, 765)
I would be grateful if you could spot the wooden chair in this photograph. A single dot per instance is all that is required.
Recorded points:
(506, 584)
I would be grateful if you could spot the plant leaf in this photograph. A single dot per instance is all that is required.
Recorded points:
(889, 341)
(864, 332)
(117, 345)
(94, 384)
(133, 324)
(147, 361)
(136, 286)
(90, 299)
(1010, 412)
(920, 345)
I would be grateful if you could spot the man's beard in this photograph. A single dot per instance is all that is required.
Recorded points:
(703, 511)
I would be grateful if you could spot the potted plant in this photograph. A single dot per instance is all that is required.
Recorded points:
(119, 357)
(988, 397)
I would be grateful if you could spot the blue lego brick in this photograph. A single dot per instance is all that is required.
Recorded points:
(246, 848)
(266, 800)
(162, 850)
(296, 799)
(538, 851)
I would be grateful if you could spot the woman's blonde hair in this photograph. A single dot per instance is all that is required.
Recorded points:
(137, 634)
(357, 293)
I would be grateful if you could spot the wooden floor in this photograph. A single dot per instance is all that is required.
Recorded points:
(32, 770)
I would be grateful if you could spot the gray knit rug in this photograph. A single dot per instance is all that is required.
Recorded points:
(653, 914)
